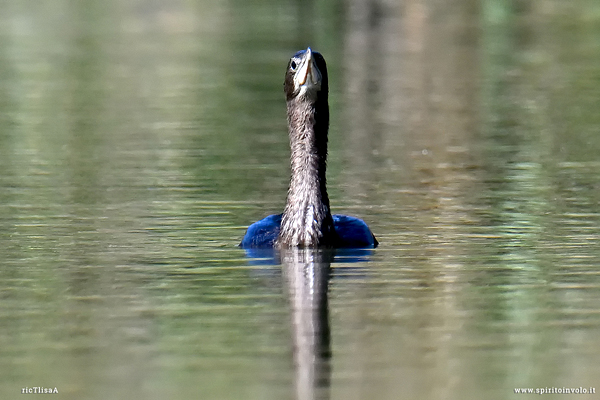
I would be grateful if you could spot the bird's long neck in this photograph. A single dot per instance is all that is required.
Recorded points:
(307, 220)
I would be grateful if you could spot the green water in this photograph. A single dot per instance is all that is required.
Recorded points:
(138, 140)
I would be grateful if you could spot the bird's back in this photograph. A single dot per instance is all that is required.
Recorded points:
(351, 232)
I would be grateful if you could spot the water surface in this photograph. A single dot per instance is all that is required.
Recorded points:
(139, 139)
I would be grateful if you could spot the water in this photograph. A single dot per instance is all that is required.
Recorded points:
(138, 140)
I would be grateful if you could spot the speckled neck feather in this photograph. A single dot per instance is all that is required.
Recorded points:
(307, 220)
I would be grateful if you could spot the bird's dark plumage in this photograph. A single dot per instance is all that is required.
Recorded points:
(306, 220)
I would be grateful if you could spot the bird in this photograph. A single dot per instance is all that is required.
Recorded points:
(306, 221)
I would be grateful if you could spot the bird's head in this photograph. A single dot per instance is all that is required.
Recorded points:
(306, 76)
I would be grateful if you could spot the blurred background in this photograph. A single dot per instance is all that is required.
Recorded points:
(139, 138)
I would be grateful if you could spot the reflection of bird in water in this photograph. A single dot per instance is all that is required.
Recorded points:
(306, 220)
(307, 273)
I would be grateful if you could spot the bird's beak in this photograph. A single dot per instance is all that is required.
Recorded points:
(308, 74)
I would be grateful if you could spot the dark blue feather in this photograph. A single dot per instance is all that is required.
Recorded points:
(352, 232)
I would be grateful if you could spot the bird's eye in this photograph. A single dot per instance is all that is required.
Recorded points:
(293, 65)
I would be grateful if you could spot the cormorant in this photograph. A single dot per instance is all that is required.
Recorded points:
(306, 220)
